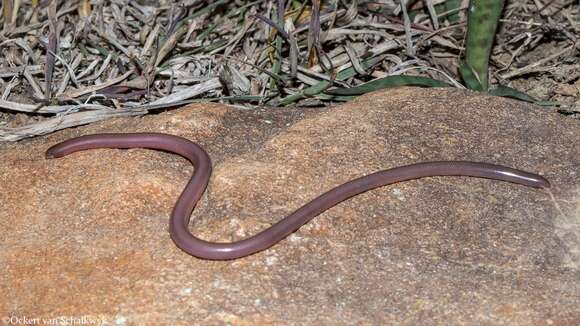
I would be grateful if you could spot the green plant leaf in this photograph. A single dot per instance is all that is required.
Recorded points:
(387, 82)
(453, 5)
(336, 98)
(469, 77)
(482, 22)
(324, 84)
(509, 92)
(505, 91)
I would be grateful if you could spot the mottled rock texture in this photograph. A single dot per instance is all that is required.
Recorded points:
(85, 236)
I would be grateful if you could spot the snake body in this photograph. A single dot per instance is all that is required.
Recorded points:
(179, 221)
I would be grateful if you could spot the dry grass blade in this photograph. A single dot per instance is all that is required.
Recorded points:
(63, 122)
(72, 94)
(190, 92)
(314, 34)
(38, 93)
(538, 65)
(279, 29)
(170, 44)
(7, 13)
(50, 59)
(50, 109)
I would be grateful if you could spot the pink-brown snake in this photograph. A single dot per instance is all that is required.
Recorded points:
(178, 225)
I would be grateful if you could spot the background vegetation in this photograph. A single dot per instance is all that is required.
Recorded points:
(72, 62)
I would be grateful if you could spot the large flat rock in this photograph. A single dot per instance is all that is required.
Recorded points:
(86, 236)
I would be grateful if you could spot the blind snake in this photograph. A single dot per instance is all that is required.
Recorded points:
(179, 221)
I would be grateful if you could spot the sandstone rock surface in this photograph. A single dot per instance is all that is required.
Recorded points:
(85, 236)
